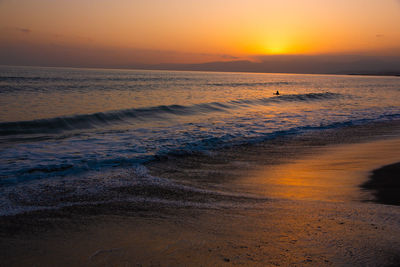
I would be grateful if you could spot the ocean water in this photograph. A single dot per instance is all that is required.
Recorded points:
(67, 134)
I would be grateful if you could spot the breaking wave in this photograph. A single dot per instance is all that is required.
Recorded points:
(88, 121)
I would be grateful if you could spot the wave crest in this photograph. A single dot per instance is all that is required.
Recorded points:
(88, 121)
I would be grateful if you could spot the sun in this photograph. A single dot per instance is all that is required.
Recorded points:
(276, 48)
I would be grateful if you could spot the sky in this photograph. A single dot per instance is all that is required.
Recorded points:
(128, 32)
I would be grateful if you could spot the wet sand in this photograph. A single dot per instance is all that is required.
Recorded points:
(333, 173)
(301, 204)
(283, 233)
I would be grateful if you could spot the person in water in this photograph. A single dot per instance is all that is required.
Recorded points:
(277, 92)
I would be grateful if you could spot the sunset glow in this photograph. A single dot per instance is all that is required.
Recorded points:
(122, 32)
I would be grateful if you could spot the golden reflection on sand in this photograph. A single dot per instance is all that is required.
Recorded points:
(328, 173)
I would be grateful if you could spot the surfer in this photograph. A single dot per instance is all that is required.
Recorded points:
(277, 92)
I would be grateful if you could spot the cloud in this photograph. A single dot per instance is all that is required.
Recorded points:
(222, 56)
(23, 30)
(229, 57)
(379, 35)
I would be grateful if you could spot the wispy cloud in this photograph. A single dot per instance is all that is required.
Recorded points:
(23, 30)
(379, 35)
(229, 57)
(222, 56)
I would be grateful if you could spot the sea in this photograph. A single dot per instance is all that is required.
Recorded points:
(70, 136)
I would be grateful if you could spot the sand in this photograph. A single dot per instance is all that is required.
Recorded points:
(303, 204)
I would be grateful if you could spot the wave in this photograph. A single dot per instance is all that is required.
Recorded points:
(22, 78)
(252, 84)
(132, 79)
(74, 80)
(89, 121)
(132, 185)
(202, 145)
(93, 79)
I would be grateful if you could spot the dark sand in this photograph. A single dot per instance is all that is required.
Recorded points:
(385, 183)
(301, 204)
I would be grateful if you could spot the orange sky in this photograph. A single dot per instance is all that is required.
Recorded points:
(186, 31)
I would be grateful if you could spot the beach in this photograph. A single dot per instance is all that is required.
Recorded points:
(291, 201)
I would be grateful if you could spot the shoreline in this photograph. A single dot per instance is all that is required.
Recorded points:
(217, 169)
(227, 230)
